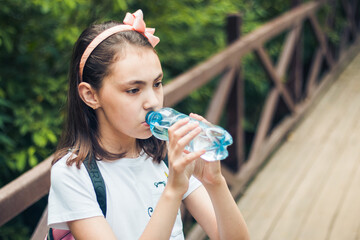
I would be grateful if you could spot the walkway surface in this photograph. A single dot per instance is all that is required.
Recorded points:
(310, 188)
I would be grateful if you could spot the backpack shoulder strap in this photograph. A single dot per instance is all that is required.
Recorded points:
(97, 181)
(100, 191)
(166, 160)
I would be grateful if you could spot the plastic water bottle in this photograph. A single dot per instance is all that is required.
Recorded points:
(213, 139)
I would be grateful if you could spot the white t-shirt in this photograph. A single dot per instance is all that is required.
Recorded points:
(133, 188)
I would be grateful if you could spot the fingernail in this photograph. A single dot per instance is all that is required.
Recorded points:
(195, 123)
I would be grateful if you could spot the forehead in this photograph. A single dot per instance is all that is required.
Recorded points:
(135, 63)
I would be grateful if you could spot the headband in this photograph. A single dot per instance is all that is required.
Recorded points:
(133, 22)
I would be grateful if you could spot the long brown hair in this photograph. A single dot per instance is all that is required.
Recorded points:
(81, 134)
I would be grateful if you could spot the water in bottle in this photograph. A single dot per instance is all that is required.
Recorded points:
(213, 139)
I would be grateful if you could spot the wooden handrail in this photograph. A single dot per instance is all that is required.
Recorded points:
(24, 191)
(34, 184)
(183, 85)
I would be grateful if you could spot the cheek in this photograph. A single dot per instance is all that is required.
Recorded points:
(118, 114)
(126, 116)
(161, 97)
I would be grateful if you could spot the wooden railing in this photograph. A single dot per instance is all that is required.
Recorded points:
(297, 93)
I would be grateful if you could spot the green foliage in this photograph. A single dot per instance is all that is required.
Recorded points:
(190, 31)
(16, 229)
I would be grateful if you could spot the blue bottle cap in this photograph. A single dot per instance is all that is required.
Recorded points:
(153, 117)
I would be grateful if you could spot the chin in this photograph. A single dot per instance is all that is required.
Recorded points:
(145, 136)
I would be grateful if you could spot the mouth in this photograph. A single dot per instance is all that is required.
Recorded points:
(145, 124)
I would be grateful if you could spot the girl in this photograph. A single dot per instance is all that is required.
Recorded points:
(115, 80)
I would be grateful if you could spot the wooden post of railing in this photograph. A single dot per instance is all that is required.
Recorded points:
(235, 106)
(357, 17)
(344, 35)
(295, 82)
(330, 23)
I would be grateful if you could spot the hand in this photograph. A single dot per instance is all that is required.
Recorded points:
(209, 173)
(180, 163)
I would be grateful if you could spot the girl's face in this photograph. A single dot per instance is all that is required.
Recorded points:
(128, 93)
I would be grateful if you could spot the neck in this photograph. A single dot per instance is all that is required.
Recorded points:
(117, 145)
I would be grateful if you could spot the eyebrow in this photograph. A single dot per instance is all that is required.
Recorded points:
(141, 82)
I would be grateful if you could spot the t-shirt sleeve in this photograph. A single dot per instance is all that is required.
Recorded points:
(71, 195)
(193, 185)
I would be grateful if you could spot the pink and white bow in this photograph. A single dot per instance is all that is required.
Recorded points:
(131, 22)
(137, 22)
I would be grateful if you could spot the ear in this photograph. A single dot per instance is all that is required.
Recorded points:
(88, 95)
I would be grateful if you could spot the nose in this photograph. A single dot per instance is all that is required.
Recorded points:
(152, 100)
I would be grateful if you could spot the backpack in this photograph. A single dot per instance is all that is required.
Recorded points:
(100, 191)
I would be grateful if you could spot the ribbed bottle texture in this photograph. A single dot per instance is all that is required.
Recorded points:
(213, 139)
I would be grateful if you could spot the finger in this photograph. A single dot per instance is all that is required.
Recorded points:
(194, 155)
(185, 140)
(198, 117)
(186, 151)
(188, 159)
(179, 124)
(184, 130)
(176, 141)
(185, 160)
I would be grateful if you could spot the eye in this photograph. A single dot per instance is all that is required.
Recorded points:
(133, 91)
(158, 84)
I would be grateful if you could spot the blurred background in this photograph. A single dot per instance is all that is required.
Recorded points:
(36, 40)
